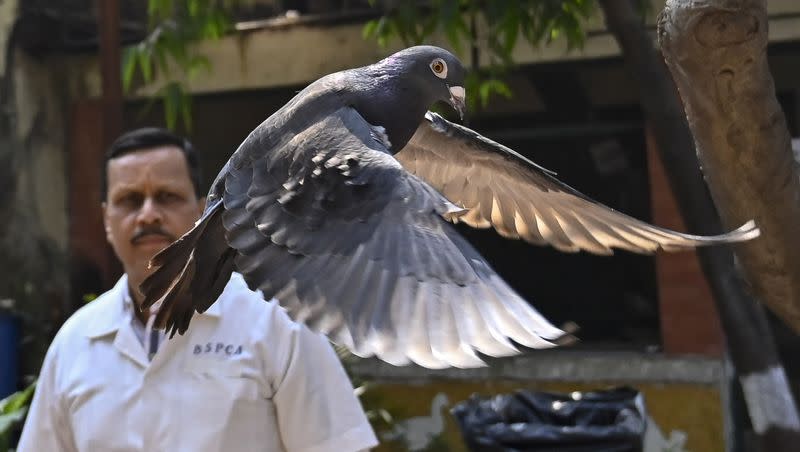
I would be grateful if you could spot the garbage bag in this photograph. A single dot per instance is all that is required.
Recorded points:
(611, 420)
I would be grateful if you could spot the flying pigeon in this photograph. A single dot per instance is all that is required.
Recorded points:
(339, 206)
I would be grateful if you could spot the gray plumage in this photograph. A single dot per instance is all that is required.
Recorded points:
(339, 205)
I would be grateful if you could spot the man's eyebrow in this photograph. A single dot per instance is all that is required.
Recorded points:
(161, 186)
(122, 189)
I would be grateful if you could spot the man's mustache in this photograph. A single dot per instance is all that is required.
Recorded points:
(155, 230)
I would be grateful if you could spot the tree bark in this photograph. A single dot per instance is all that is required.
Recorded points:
(716, 50)
(753, 353)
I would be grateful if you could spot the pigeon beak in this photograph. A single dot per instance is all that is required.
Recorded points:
(457, 100)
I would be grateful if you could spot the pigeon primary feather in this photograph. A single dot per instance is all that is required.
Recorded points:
(339, 206)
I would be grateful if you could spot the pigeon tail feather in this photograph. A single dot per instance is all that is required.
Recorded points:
(180, 290)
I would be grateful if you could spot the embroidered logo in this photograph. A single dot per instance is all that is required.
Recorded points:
(217, 348)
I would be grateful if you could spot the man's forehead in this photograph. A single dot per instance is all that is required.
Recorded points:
(166, 163)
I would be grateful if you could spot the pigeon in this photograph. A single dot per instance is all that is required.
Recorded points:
(339, 206)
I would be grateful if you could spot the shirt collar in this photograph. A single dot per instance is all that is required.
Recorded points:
(109, 311)
(114, 309)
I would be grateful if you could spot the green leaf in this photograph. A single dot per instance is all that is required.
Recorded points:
(158, 9)
(153, 7)
(12, 411)
(128, 67)
(193, 7)
(369, 29)
(8, 421)
(17, 400)
(481, 86)
(198, 63)
(175, 47)
(177, 105)
(382, 31)
(145, 63)
(499, 87)
(511, 26)
(172, 100)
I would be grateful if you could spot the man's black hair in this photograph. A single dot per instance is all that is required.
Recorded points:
(145, 139)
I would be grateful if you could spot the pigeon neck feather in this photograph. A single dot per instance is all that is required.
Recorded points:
(396, 103)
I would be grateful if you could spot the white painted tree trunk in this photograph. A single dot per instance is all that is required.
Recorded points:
(716, 51)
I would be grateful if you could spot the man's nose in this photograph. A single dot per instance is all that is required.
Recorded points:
(150, 212)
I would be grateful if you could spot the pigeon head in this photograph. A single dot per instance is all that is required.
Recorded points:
(436, 73)
(403, 86)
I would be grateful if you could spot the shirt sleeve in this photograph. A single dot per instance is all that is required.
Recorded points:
(316, 408)
(46, 426)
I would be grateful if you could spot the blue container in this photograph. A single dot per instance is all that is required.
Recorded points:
(9, 354)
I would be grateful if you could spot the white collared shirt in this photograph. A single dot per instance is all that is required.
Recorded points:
(243, 378)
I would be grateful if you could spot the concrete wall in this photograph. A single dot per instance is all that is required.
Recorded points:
(686, 399)
(33, 187)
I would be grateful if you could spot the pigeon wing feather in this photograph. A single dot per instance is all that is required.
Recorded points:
(502, 189)
(351, 244)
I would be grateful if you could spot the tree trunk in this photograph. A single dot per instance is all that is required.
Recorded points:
(752, 349)
(716, 50)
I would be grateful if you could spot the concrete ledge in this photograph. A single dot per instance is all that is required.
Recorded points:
(566, 366)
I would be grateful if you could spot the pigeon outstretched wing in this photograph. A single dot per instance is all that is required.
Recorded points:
(502, 189)
(355, 242)
(332, 226)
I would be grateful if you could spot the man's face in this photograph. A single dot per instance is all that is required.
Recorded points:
(150, 202)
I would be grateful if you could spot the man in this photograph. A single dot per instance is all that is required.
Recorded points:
(243, 378)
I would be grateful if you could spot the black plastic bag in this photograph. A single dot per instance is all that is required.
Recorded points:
(611, 420)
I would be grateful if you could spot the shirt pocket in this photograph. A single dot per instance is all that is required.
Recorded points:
(230, 379)
(225, 408)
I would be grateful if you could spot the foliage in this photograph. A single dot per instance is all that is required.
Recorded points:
(174, 26)
(496, 26)
(12, 411)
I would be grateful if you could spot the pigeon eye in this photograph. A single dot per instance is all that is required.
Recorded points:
(439, 68)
